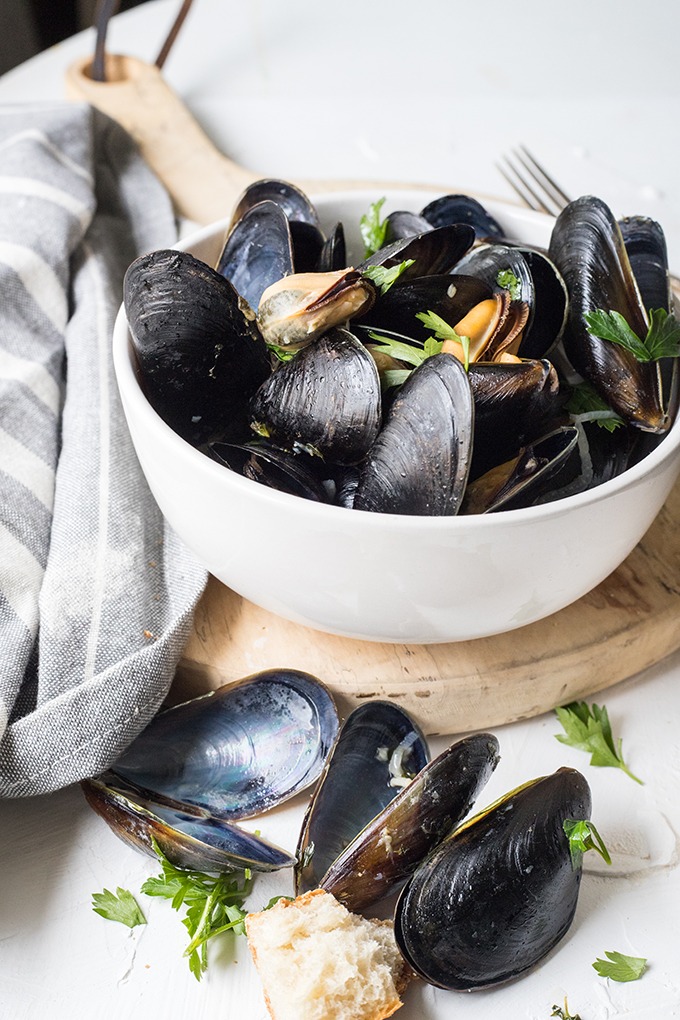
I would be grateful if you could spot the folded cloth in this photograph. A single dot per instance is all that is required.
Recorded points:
(96, 592)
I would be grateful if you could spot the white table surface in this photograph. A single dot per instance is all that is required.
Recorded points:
(430, 91)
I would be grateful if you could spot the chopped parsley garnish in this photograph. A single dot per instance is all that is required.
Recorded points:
(383, 277)
(443, 331)
(662, 339)
(507, 279)
(373, 229)
(563, 1013)
(583, 836)
(588, 728)
(119, 906)
(586, 404)
(213, 904)
(402, 351)
(620, 967)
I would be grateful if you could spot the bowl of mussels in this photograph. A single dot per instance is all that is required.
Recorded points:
(405, 417)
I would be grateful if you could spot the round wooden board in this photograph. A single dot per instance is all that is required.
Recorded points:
(627, 623)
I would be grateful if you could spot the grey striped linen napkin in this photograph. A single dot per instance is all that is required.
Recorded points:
(96, 592)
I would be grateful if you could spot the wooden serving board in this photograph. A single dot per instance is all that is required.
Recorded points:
(629, 622)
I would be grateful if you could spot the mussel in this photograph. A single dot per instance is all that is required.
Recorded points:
(496, 896)
(208, 762)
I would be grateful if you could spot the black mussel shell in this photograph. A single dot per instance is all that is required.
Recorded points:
(257, 252)
(434, 251)
(648, 256)
(495, 897)
(420, 461)
(389, 849)
(200, 357)
(378, 746)
(326, 398)
(463, 209)
(333, 254)
(587, 247)
(294, 202)
(237, 751)
(299, 473)
(550, 309)
(402, 224)
(194, 841)
(513, 404)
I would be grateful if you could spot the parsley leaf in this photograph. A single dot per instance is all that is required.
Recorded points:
(403, 351)
(619, 967)
(383, 277)
(586, 404)
(564, 1014)
(119, 906)
(583, 836)
(214, 904)
(506, 278)
(373, 229)
(662, 339)
(282, 353)
(588, 729)
(443, 331)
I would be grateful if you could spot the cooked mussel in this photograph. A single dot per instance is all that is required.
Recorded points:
(588, 248)
(200, 357)
(387, 851)
(236, 751)
(326, 399)
(496, 896)
(188, 839)
(420, 461)
(379, 749)
(258, 252)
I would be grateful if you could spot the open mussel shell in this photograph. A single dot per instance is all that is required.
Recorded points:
(379, 749)
(257, 252)
(420, 461)
(299, 474)
(327, 398)
(496, 896)
(200, 357)
(588, 248)
(292, 200)
(239, 750)
(449, 296)
(193, 841)
(389, 849)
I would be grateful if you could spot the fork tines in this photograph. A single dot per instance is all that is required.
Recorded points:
(530, 181)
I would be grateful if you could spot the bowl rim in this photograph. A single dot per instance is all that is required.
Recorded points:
(131, 392)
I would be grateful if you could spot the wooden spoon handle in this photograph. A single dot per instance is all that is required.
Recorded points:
(203, 183)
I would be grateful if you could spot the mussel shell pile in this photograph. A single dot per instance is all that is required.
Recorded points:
(301, 372)
(480, 899)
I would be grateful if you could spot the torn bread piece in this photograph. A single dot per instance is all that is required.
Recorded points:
(318, 961)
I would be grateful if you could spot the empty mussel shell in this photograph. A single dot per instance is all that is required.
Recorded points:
(239, 750)
(389, 849)
(378, 750)
(193, 841)
(499, 893)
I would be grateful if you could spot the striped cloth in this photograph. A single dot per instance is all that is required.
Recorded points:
(96, 593)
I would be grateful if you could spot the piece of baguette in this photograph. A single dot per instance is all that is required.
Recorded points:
(318, 961)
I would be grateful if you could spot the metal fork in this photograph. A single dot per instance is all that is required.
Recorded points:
(532, 183)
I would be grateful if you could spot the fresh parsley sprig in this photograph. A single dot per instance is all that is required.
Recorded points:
(119, 906)
(588, 729)
(506, 278)
(563, 1013)
(662, 339)
(383, 277)
(373, 229)
(586, 404)
(583, 836)
(620, 967)
(410, 353)
(214, 904)
(443, 331)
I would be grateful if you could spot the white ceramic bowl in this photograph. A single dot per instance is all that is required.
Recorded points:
(385, 577)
